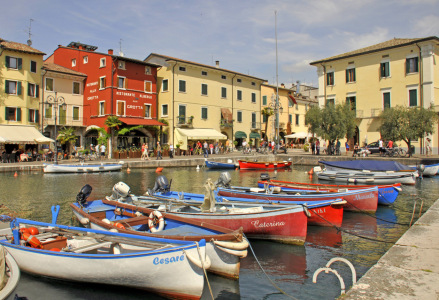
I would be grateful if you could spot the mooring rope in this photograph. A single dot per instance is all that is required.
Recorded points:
(204, 269)
(269, 279)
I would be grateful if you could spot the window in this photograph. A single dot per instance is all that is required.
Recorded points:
(411, 65)
(49, 84)
(330, 102)
(48, 111)
(74, 62)
(182, 86)
(183, 69)
(239, 95)
(413, 97)
(352, 101)
(181, 114)
(75, 113)
(239, 116)
(350, 75)
(33, 116)
(33, 66)
(121, 65)
(120, 108)
(223, 92)
(148, 86)
(120, 82)
(238, 80)
(385, 69)
(290, 118)
(204, 73)
(297, 119)
(223, 77)
(102, 62)
(76, 88)
(62, 114)
(253, 121)
(85, 59)
(13, 87)
(147, 70)
(253, 97)
(264, 100)
(330, 78)
(102, 108)
(386, 100)
(253, 83)
(13, 114)
(14, 63)
(164, 109)
(33, 90)
(204, 89)
(204, 113)
(147, 111)
(102, 83)
(165, 86)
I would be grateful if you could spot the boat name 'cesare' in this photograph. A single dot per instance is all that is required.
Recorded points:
(364, 196)
(265, 224)
(165, 261)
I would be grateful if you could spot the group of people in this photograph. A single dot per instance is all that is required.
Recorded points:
(98, 149)
(207, 148)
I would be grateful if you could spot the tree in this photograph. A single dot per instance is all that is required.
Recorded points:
(67, 136)
(407, 124)
(113, 123)
(267, 112)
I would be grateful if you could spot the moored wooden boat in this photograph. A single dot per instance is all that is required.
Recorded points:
(10, 273)
(219, 165)
(246, 164)
(82, 168)
(387, 193)
(367, 177)
(224, 246)
(166, 267)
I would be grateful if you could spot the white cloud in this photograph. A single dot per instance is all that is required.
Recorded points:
(426, 26)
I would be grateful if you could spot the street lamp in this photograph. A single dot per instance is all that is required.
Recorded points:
(56, 101)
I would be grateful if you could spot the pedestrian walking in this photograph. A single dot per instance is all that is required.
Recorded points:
(103, 148)
(206, 149)
(171, 151)
(159, 151)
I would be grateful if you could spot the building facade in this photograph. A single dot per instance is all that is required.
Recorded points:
(396, 72)
(115, 86)
(195, 96)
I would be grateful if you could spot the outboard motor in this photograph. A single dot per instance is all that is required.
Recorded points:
(224, 180)
(120, 190)
(83, 194)
(161, 185)
(265, 176)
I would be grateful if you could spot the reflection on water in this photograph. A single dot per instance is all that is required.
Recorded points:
(290, 267)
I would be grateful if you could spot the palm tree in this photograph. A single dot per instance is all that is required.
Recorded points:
(112, 122)
(267, 112)
(67, 136)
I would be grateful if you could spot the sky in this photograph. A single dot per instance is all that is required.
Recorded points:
(240, 34)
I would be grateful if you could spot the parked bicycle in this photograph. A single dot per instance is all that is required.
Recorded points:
(395, 152)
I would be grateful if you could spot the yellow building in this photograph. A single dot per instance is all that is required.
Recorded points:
(202, 102)
(62, 87)
(20, 77)
(293, 105)
(396, 72)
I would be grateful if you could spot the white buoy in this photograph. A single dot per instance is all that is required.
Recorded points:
(198, 167)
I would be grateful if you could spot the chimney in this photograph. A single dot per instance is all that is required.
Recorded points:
(217, 63)
(110, 51)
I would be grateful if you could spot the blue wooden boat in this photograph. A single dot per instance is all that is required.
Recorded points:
(220, 165)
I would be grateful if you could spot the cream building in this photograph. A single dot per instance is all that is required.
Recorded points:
(202, 102)
(396, 72)
(62, 87)
(293, 105)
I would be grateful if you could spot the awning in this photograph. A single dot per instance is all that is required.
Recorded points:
(183, 135)
(240, 135)
(255, 135)
(227, 114)
(22, 134)
(141, 121)
(299, 135)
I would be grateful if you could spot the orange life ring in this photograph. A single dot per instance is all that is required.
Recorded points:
(33, 241)
(156, 219)
(119, 225)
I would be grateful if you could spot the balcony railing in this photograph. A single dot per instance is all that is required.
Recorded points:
(183, 121)
(63, 121)
(255, 125)
(226, 124)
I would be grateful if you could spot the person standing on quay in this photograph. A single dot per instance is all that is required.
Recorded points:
(159, 151)
(206, 149)
(103, 148)
(171, 151)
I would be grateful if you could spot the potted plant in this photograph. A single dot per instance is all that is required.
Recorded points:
(306, 147)
(190, 119)
(177, 150)
(165, 150)
(235, 143)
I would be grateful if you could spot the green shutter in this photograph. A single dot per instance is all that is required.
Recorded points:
(7, 86)
(386, 100)
(37, 91)
(20, 63)
(7, 61)
(413, 94)
(18, 87)
(18, 114)
(407, 66)
(28, 89)
(6, 113)
(347, 75)
(264, 100)
(37, 116)
(28, 115)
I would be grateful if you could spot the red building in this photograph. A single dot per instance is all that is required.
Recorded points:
(115, 85)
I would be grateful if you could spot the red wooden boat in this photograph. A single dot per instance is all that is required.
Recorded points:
(268, 165)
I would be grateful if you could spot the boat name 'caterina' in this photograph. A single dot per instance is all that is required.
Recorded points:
(265, 224)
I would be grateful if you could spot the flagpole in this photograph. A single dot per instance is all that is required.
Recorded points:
(276, 110)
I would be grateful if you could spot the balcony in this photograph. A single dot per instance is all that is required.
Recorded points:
(183, 121)
(224, 124)
(63, 121)
(255, 125)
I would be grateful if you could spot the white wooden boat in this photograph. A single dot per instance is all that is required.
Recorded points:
(427, 170)
(367, 177)
(82, 168)
(169, 268)
(9, 273)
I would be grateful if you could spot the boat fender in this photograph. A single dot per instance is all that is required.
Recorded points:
(232, 245)
(317, 169)
(206, 263)
(154, 218)
(397, 188)
(114, 230)
(33, 241)
(116, 249)
(119, 225)
(33, 230)
(306, 210)
(106, 221)
(277, 189)
(351, 180)
(239, 253)
(84, 221)
(138, 214)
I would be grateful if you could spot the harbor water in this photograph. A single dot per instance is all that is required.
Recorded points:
(362, 240)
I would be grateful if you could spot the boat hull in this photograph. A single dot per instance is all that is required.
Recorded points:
(219, 165)
(249, 165)
(81, 168)
(374, 178)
